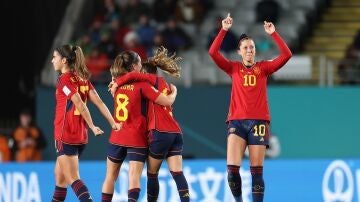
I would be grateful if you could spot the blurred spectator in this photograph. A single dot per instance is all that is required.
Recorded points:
(5, 154)
(349, 66)
(267, 10)
(189, 11)
(98, 64)
(133, 10)
(357, 41)
(158, 42)
(28, 138)
(107, 44)
(163, 9)
(85, 43)
(118, 30)
(108, 11)
(95, 31)
(146, 32)
(230, 42)
(175, 37)
(132, 42)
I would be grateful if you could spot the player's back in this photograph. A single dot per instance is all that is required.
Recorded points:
(130, 109)
(161, 118)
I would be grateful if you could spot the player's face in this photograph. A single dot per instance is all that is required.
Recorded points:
(137, 66)
(247, 50)
(57, 61)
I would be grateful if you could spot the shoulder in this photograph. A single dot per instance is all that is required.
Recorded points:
(69, 77)
(162, 80)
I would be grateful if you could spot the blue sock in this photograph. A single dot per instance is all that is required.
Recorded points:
(234, 181)
(133, 194)
(81, 191)
(152, 187)
(258, 185)
(181, 185)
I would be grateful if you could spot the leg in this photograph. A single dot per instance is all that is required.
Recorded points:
(175, 167)
(158, 148)
(135, 170)
(257, 156)
(112, 173)
(153, 167)
(235, 152)
(70, 167)
(60, 184)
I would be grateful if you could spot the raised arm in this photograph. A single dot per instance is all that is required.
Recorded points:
(84, 111)
(104, 110)
(285, 53)
(214, 50)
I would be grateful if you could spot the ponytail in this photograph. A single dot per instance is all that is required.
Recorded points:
(168, 64)
(80, 65)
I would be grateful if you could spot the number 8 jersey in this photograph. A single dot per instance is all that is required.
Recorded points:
(130, 109)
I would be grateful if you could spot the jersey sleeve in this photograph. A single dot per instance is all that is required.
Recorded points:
(272, 66)
(149, 92)
(219, 59)
(91, 86)
(135, 77)
(68, 85)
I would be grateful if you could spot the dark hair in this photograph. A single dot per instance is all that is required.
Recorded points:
(123, 63)
(75, 59)
(243, 37)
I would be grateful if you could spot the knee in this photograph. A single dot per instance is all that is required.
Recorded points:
(111, 177)
(60, 179)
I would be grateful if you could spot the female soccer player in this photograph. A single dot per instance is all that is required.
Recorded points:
(71, 116)
(166, 139)
(130, 106)
(248, 119)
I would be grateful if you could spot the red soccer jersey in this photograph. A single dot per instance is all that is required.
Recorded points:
(160, 118)
(130, 108)
(69, 125)
(248, 93)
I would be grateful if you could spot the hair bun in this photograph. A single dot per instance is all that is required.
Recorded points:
(243, 36)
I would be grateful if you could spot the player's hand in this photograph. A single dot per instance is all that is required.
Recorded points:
(97, 131)
(269, 27)
(173, 88)
(227, 22)
(110, 84)
(113, 88)
(117, 126)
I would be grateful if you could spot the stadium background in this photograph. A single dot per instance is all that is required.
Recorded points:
(314, 114)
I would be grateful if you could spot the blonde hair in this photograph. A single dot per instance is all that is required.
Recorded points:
(80, 65)
(123, 63)
(161, 60)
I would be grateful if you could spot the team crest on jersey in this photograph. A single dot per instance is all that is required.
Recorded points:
(257, 70)
(165, 91)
